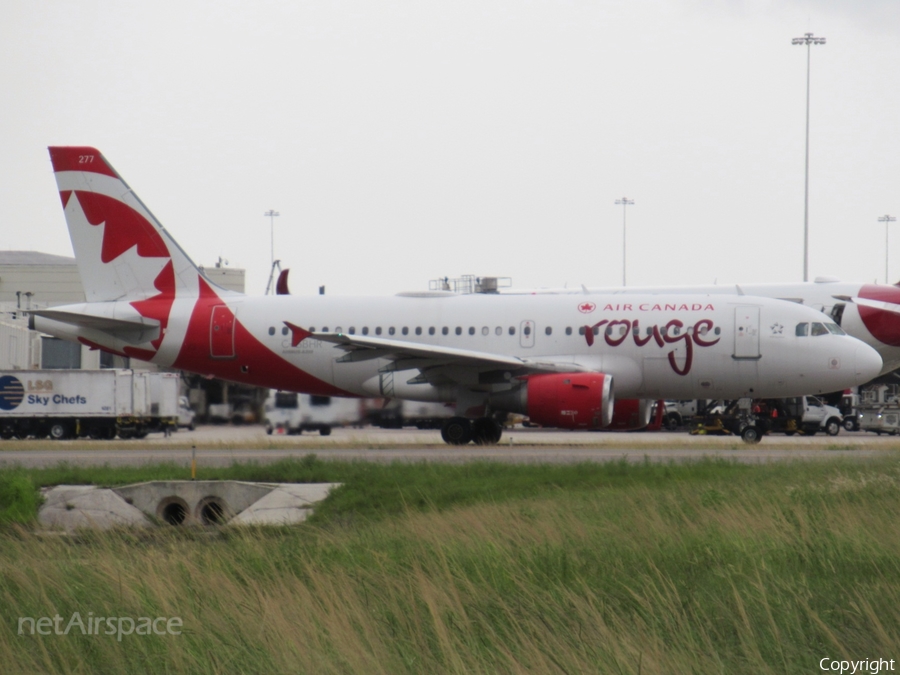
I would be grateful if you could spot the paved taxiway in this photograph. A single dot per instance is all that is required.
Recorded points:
(222, 446)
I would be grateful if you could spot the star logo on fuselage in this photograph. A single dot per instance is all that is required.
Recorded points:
(777, 329)
(587, 307)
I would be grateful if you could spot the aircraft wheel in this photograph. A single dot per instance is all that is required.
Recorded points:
(833, 426)
(751, 435)
(457, 431)
(486, 431)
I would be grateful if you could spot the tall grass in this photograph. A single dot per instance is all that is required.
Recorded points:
(764, 569)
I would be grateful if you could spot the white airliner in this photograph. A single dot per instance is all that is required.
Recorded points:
(584, 362)
(869, 312)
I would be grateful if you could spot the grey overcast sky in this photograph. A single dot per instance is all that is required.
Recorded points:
(403, 140)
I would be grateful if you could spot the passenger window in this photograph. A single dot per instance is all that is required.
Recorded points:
(271, 330)
(378, 330)
(352, 330)
(391, 330)
(802, 330)
(405, 330)
(324, 329)
(512, 330)
(418, 330)
(581, 330)
(676, 330)
(834, 329)
(459, 330)
(365, 330)
(284, 331)
(527, 330)
(818, 329)
(596, 330)
(548, 330)
(717, 331)
(498, 330)
(338, 329)
(431, 331)
(445, 330)
(485, 330)
(568, 330)
(471, 330)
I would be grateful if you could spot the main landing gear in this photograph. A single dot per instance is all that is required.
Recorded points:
(483, 431)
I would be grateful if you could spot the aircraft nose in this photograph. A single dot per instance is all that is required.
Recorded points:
(867, 362)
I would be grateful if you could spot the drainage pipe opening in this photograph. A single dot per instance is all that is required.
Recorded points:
(212, 511)
(173, 510)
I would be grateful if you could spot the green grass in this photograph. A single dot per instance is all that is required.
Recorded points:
(710, 567)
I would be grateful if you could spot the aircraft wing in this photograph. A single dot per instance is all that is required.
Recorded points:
(405, 355)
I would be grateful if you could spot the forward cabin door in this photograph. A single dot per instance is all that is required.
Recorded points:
(746, 332)
(221, 333)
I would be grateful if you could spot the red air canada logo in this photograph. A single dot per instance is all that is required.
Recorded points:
(587, 307)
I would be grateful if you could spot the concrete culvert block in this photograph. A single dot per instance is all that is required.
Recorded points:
(173, 510)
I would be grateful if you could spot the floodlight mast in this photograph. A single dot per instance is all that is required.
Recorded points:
(887, 220)
(625, 202)
(809, 40)
(271, 214)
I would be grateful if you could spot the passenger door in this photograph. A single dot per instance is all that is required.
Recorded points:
(746, 332)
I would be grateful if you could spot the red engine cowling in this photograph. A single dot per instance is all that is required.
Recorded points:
(571, 400)
(631, 413)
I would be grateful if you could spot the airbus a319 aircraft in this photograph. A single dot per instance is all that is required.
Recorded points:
(586, 362)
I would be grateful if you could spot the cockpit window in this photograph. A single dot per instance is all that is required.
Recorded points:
(818, 329)
(834, 329)
(802, 329)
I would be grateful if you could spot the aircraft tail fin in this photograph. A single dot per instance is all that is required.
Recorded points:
(122, 250)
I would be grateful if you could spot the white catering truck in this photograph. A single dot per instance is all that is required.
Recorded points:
(94, 403)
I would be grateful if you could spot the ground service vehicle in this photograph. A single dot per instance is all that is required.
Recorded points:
(291, 413)
(794, 415)
(94, 403)
(571, 362)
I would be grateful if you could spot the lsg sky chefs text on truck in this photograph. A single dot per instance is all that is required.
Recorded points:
(93, 403)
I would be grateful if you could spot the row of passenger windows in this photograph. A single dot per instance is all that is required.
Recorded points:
(816, 329)
(485, 330)
(418, 330)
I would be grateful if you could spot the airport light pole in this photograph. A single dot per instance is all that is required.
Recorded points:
(271, 214)
(625, 202)
(886, 219)
(809, 40)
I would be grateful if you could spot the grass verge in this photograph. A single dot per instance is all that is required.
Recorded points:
(709, 567)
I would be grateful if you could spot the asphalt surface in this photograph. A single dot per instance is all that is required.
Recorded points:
(222, 446)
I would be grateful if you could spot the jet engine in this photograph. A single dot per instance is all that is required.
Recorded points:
(568, 400)
(631, 413)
